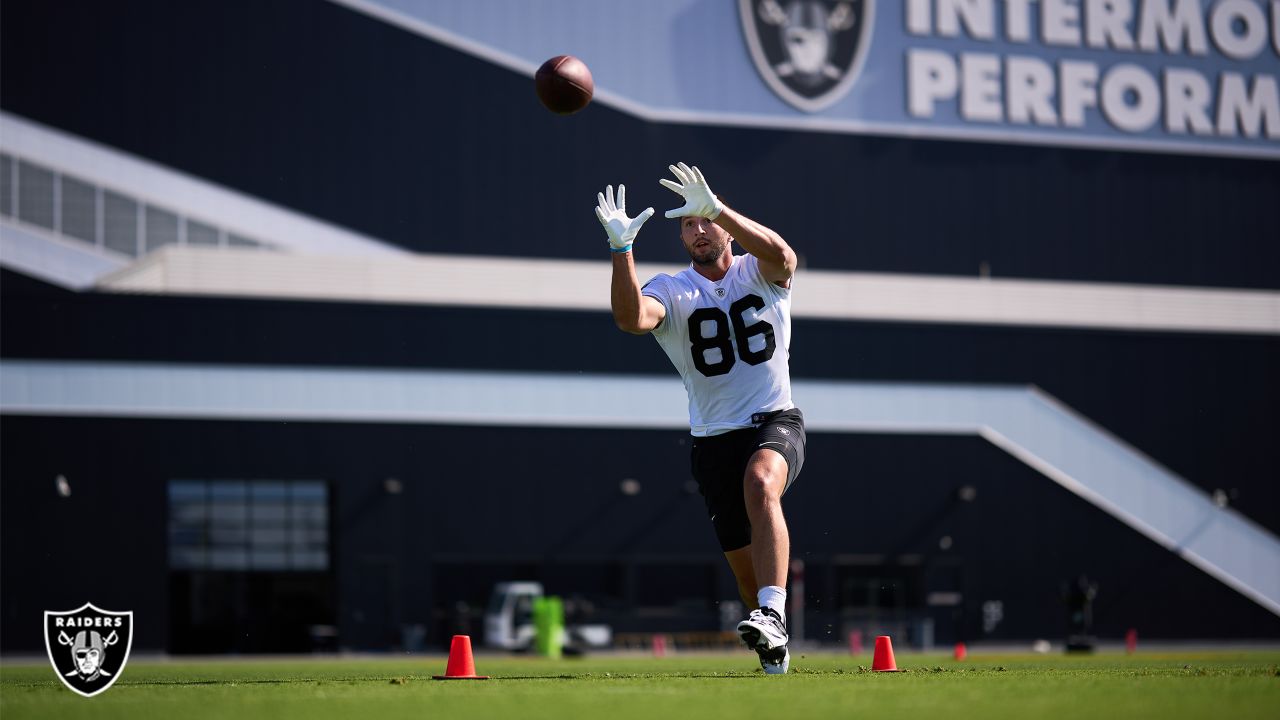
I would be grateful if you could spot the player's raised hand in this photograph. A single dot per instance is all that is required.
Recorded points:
(698, 198)
(622, 230)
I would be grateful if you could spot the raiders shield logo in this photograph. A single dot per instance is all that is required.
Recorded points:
(808, 51)
(88, 646)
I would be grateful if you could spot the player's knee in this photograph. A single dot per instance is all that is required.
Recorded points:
(762, 487)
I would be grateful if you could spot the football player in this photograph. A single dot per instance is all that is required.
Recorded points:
(725, 323)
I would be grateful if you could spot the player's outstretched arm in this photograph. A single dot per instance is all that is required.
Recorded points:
(777, 259)
(632, 311)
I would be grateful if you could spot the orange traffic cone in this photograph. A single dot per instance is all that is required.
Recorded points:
(962, 652)
(461, 665)
(883, 660)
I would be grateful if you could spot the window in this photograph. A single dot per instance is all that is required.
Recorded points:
(35, 195)
(200, 234)
(162, 228)
(79, 210)
(76, 208)
(248, 525)
(121, 223)
(6, 185)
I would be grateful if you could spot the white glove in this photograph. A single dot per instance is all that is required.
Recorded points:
(622, 229)
(698, 198)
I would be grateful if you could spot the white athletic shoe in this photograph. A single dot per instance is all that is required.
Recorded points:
(763, 630)
(775, 662)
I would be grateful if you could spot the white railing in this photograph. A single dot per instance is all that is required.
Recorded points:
(42, 199)
(75, 188)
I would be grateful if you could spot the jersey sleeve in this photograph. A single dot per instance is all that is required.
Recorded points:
(659, 288)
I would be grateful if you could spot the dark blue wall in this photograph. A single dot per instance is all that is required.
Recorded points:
(549, 501)
(1205, 406)
(324, 110)
(547, 504)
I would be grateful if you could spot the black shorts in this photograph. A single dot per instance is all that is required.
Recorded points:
(720, 465)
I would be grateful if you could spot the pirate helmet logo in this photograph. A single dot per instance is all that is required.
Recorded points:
(808, 51)
(88, 646)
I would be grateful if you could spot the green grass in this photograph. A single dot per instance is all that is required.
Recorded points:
(1231, 685)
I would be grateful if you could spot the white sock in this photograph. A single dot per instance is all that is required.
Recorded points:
(774, 597)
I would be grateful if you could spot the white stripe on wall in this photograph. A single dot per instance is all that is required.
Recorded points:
(584, 285)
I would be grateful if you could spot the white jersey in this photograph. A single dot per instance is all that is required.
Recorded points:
(730, 340)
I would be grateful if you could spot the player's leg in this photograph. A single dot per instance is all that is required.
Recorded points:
(777, 454)
(765, 480)
(762, 486)
(718, 464)
(744, 572)
(775, 660)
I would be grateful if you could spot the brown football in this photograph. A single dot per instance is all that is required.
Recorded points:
(564, 84)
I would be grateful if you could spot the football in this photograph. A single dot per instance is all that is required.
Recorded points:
(564, 84)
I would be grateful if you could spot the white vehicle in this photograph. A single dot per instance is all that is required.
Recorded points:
(508, 621)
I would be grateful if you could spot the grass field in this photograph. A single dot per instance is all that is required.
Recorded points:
(1231, 685)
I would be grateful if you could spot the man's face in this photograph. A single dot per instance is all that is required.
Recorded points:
(704, 240)
(87, 660)
(805, 37)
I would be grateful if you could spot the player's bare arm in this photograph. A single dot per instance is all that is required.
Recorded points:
(633, 312)
(777, 259)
